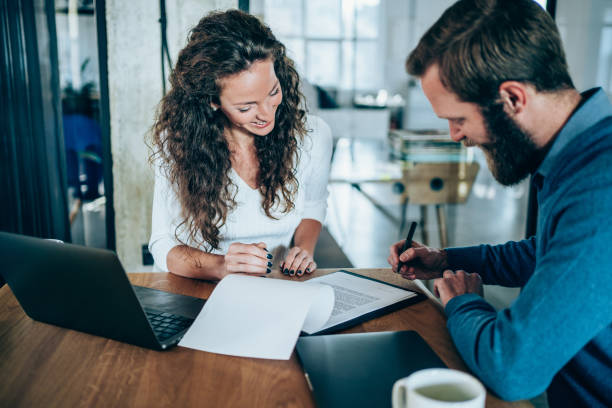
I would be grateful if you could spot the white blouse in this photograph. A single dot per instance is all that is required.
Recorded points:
(248, 223)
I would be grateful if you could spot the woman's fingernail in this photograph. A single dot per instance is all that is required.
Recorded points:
(269, 264)
(286, 271)
(299, 272)
(292, 272)
(269, 256)
(268, 270)
(307, 269)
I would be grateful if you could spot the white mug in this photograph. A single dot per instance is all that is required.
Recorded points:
(438, 388)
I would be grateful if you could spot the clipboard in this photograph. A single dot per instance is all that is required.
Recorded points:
(417, 297)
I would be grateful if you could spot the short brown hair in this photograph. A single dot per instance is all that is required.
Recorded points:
(478, 44)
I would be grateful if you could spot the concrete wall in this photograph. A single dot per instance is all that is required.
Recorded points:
(135, 88)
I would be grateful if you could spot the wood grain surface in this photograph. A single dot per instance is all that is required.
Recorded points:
(46, 366)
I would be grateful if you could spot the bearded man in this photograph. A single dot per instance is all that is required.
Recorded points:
(496, 70)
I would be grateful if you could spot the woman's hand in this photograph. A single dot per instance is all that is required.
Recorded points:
(298, 262)
(253, 259)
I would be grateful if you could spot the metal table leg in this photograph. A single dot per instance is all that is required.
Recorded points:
(442, 225)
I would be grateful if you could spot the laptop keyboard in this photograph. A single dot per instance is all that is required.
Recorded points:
(167, 325)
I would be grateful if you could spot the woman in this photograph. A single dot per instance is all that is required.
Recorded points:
(240, 171)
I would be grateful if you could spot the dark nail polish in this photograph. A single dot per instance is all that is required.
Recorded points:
(286, 271)
(292, 272)
(307, 269)
(269, 256)
(269, 264)
(268, 270)
(299, 272)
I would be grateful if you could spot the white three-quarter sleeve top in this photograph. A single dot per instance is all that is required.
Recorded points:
(248, 223)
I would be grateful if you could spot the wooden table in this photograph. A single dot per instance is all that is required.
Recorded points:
(44, 365)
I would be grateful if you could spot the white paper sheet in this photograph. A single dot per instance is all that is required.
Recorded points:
(258, 317)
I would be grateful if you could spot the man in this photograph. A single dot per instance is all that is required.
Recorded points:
(496, 70)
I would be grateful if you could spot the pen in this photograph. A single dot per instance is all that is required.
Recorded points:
(407, 243)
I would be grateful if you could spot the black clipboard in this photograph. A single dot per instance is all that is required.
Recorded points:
(373, 314)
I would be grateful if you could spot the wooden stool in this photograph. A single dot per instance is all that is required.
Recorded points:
(436, 184)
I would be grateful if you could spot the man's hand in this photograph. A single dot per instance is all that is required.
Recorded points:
(420, 262)
(453, 284)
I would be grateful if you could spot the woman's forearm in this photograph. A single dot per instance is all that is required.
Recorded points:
(306, 235)
(193, 263)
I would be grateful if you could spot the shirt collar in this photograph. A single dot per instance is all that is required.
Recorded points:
(594, 108)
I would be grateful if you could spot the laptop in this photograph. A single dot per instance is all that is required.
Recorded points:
(359, 369)
(87, 289)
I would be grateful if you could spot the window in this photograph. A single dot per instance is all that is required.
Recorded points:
(542, 3)
(334, 43)
(79, 75)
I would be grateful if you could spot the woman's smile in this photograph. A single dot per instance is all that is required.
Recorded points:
(261, 125)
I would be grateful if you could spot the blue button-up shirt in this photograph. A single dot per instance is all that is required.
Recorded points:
(557, 335)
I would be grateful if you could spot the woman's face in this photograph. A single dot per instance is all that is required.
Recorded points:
(250, 98)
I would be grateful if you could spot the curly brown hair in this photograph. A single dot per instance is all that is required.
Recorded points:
(188, 134)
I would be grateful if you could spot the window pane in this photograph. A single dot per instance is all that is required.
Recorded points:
(348, 18)
(542, 3)
(583, 23)
(367, 18)
(368, 66)
(284, 17)
(607, 19)
(604, 71)
(323, 18)
(322, 63)
(77, 50)
(348, 68)
(295, 51)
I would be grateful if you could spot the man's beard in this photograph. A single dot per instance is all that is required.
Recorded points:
(511, 153)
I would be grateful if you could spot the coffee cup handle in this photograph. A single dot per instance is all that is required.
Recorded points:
(398, 395)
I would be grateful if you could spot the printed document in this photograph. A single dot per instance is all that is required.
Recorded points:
(356, 296)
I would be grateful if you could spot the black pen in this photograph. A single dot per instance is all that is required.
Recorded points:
(407, 243)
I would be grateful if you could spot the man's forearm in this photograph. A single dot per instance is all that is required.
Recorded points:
(496, 358)
(510, 264)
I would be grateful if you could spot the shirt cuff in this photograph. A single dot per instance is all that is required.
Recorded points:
(468, 259)
(456, 303)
